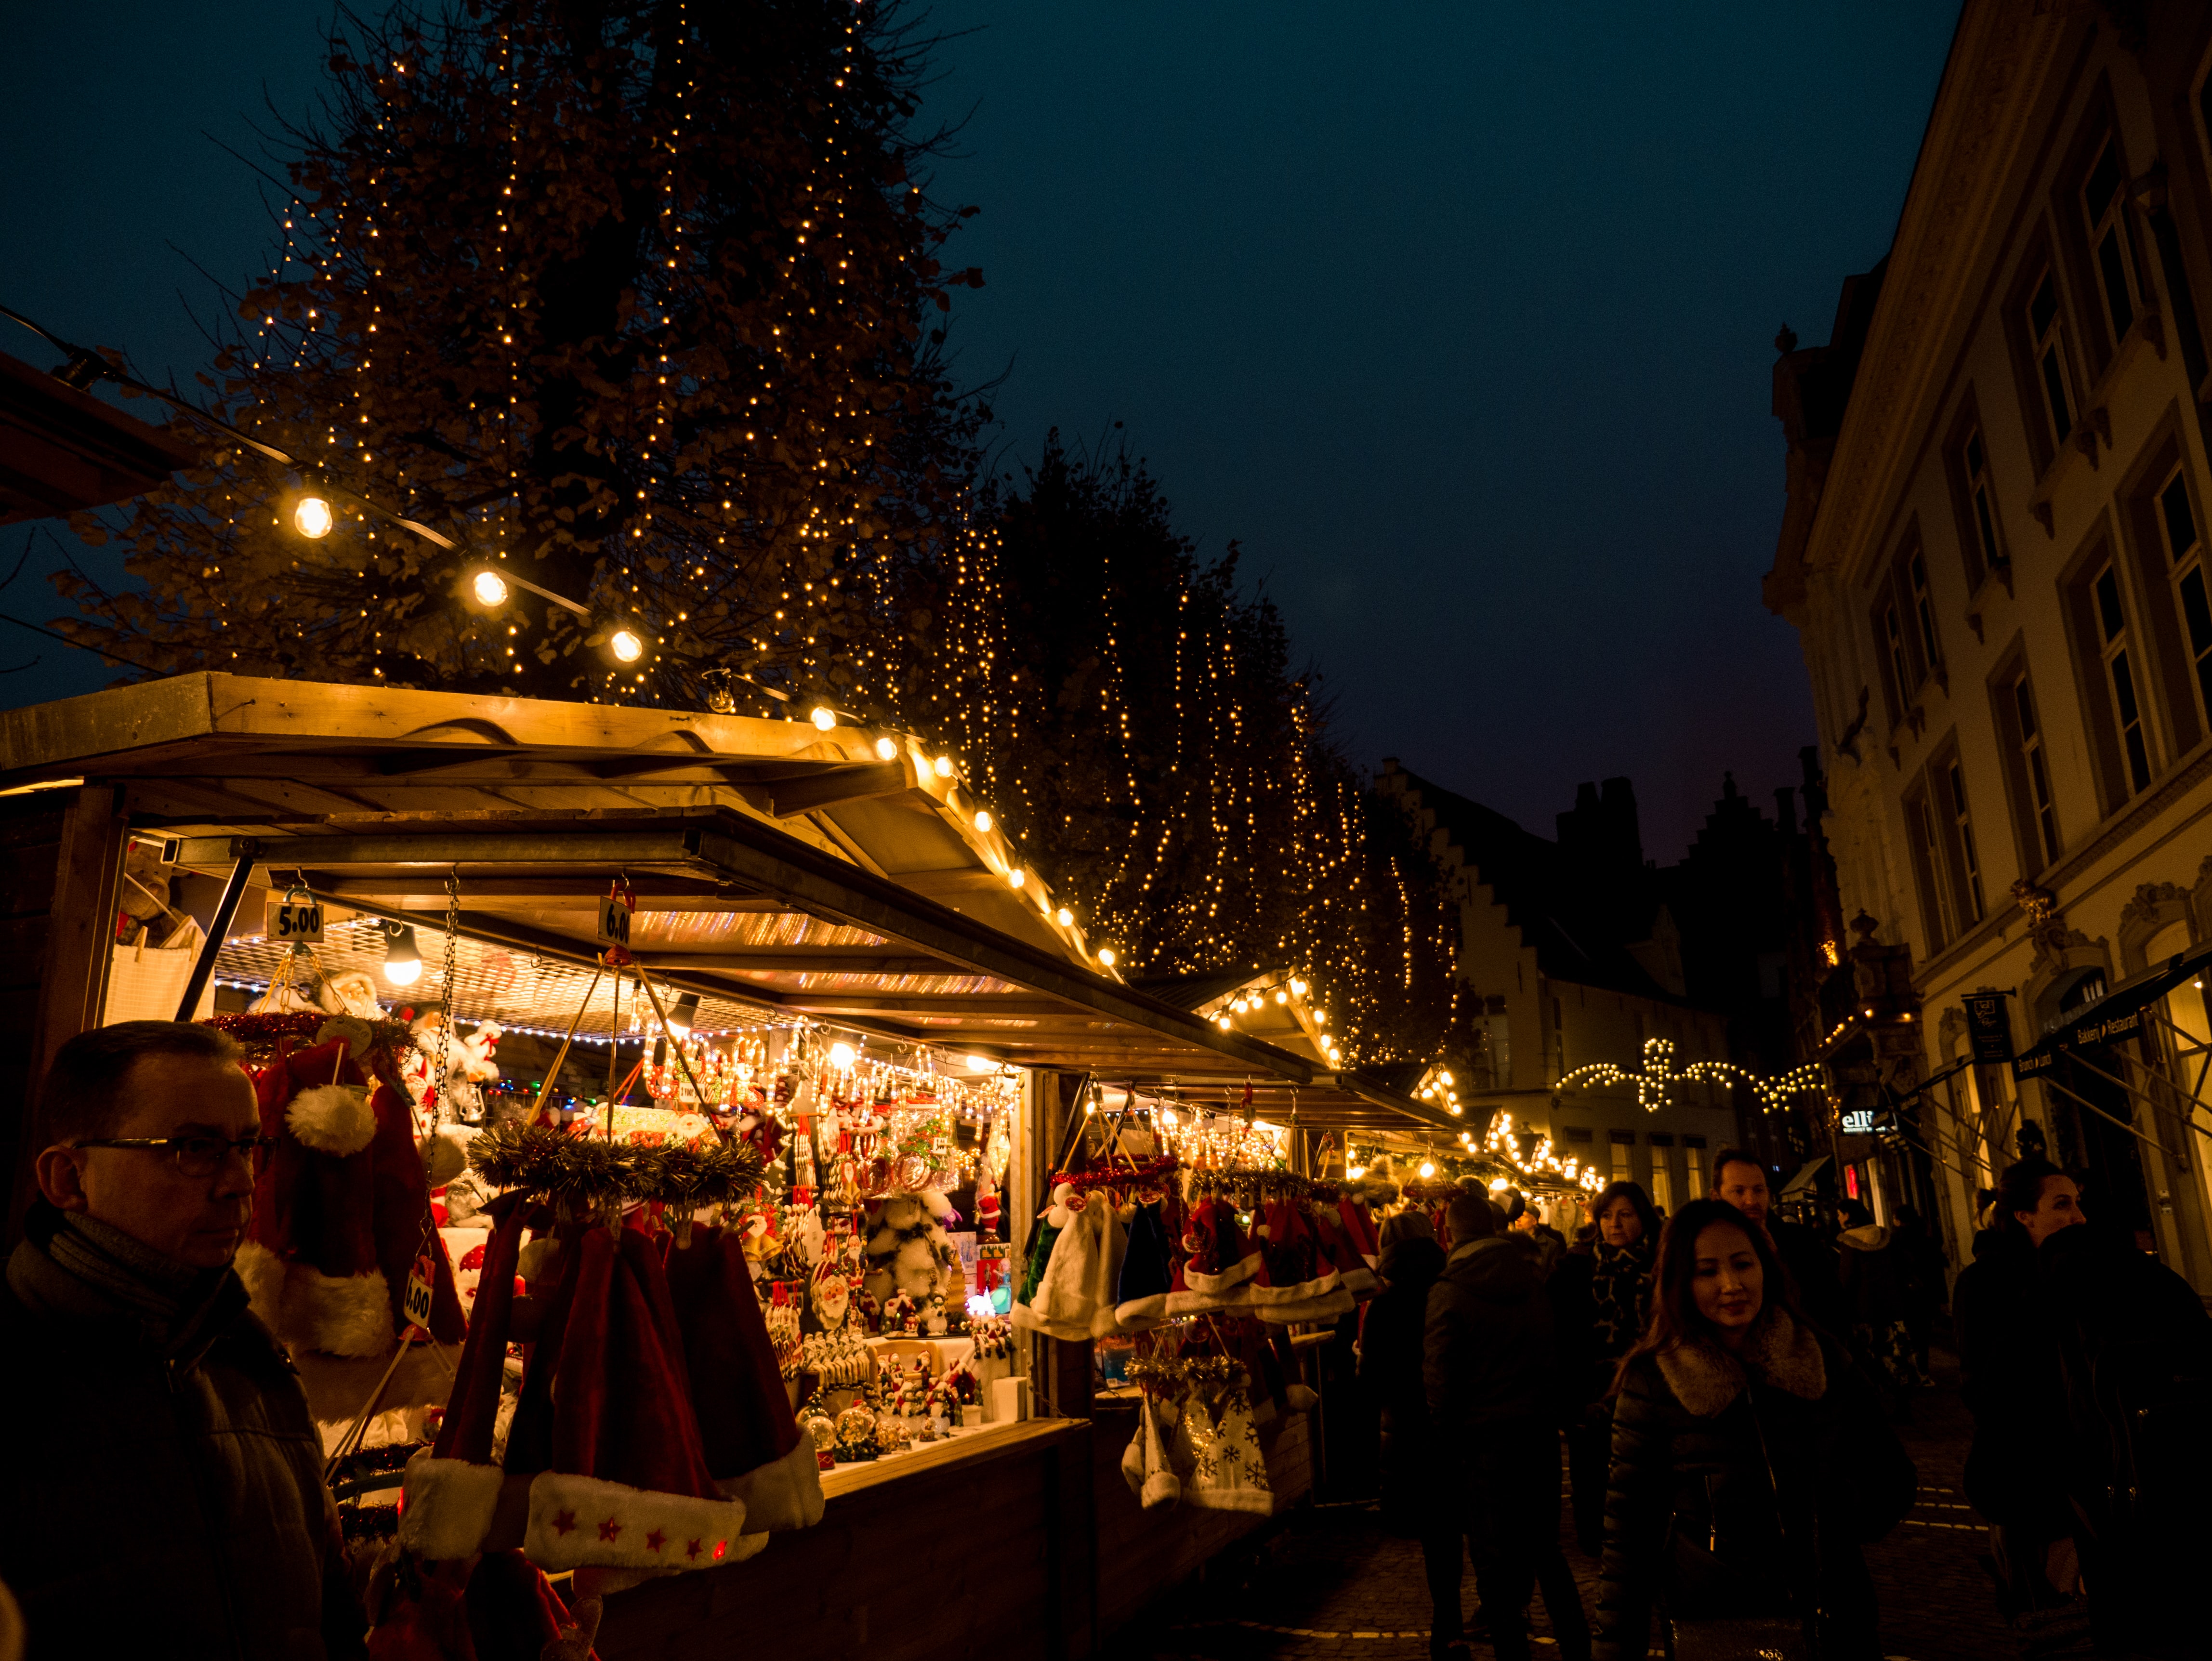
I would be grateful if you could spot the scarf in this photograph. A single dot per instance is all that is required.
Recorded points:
(1621, 1286)
(163, 1295)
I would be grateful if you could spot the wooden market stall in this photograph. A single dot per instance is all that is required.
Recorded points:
(782, 874)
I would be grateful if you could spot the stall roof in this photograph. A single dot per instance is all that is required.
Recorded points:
(800, 873)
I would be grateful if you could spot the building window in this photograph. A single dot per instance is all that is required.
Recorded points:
(1970, 865)
(1981, 511)
(1923, 612)
(2111, 240)
(2120, 676)
(1893, 638)
(1927, 866)
(2047, 346)
(2184, 560)
(2035, 771)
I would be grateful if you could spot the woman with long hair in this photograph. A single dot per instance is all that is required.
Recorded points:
(1751, 1461)
(1600, 1294)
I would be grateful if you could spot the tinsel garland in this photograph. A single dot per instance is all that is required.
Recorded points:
(583, 1175)
(1172, 1378)
(258, 1034)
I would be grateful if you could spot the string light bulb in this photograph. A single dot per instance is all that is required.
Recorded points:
(312, 517)
(403, 960)
(942, 767)
(823, 717)
(982, 821)
(490, 587)
(1017, 877)
(1066, 918)
(1106, 956)
(627, 646)
(885, 749)
(841, 1057)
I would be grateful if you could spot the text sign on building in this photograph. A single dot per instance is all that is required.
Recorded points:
(1859, 1122)
(1988, 1027)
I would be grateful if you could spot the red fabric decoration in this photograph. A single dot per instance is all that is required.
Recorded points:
(745, 1420)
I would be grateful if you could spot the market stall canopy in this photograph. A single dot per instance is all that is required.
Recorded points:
(2117, 1014)
(1803, 1180)
(62, 450)
(786, 871)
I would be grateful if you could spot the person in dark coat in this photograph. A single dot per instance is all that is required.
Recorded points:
(1390, 1359)
(1493, 1385)
(1927, 1283)
(1810, 1261)
(163, 1492)
(2086, 1364)
(1750, 1460)
(1600, 1294)
(1875, 1273)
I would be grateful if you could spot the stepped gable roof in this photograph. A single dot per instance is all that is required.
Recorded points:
(1580, 923)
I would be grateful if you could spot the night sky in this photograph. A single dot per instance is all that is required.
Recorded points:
(1460, 318)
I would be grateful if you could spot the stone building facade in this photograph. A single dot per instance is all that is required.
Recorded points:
(1997, 551)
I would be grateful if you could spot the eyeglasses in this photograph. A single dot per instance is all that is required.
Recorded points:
(197, 1156)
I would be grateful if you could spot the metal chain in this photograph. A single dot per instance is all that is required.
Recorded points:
(449, 1030)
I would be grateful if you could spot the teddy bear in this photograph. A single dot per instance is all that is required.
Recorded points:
(909, 1249)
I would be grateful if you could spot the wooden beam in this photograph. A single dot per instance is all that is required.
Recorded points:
(796, 960)
(795, 796)
(965, 879)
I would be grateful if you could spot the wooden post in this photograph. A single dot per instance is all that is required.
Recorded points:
(74, 945)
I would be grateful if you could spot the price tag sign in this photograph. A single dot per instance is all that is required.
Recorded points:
(295, 922)
(416, 1304)
(614, 919)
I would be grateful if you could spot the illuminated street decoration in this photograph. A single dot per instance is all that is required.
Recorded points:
(1654, 1085)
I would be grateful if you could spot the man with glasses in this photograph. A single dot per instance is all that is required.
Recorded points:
(162, 1491)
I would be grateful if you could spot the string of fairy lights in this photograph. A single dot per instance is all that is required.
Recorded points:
(1655, 1083)
(740, 486)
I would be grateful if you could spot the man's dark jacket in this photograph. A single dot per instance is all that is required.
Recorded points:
(1811, 1262)
(160, 1498)
(1488, 1354)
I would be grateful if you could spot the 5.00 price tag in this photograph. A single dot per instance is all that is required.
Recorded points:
(295, 922)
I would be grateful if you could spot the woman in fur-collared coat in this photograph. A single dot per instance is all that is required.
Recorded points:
(1750, 1459)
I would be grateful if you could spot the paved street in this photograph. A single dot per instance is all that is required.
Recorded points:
(1332, 1584)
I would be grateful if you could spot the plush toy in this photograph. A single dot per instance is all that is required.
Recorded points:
(349, 992)
(909, 1249)
(468, 1062)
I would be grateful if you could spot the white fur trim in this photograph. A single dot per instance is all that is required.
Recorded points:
(1327, 1307)
(263, 1272)
(1235, 1275)
(1142, 1314)
(1259, 1297)
(446, 1155)
(1162, 1487)
(338, 1314)
(577, 1521)
(1260, 1501)
(333, 1118)
(1358, 1279)
(446, 1506)
(784, 1495)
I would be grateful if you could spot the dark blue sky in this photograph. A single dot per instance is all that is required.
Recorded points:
(1460, 317)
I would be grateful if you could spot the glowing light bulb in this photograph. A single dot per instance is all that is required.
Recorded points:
(823, 716)
(1430, 1170)
(627, 646)
(983, 821)
(1066, 918)
(1321, 1018)
(1455, 1109)
(1297, 989)
(1446, 1077)
(403, 961)
(490, 588)
(980, 1063)
(1357, 1170)
(1106, 956)
(311, 518)
(885, 749)
(1017, 877)
(841, 1057)
(1222, 1021)
(404, 973)
(942, 766)
(1282, 996)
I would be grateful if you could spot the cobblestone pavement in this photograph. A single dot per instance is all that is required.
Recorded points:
(1331, 1583)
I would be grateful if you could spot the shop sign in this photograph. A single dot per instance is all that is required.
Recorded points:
(1859, 1122)
(294, 922)
(1989, 1028)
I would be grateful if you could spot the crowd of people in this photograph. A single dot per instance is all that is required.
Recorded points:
(1727, 1385)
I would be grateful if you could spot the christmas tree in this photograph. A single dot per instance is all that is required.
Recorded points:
(628, 300)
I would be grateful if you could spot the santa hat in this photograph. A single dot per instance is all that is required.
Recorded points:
(339, 1212)
(753, 1445)
(605, 1462)
(1219, 1263)
(1147, 1274)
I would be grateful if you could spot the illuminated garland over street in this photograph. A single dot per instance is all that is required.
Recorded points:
(1655, 1084)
